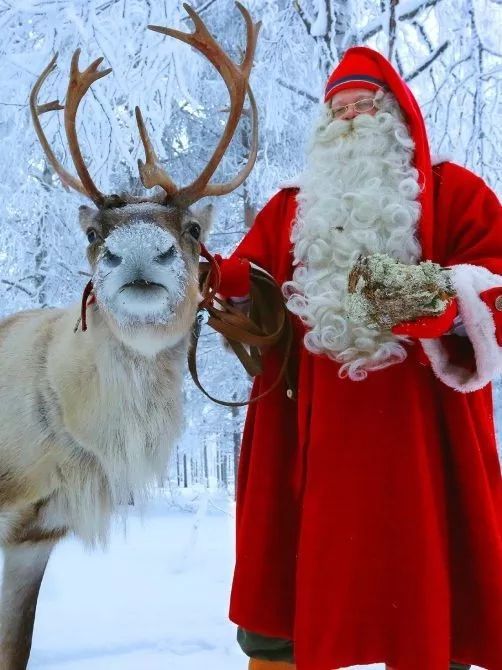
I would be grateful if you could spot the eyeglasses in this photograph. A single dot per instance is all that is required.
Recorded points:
(361, 106)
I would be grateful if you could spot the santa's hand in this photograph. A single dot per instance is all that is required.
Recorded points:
(391, 293)
(235, 280)
(429, 326)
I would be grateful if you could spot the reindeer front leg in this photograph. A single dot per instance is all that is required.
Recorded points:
(24, 567)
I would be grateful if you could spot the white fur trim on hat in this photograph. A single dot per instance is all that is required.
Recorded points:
(437, 159)
(294, 182)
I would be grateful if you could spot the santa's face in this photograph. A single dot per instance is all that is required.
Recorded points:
(350, 102)
(358, 195)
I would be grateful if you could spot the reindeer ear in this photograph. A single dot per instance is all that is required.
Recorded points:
(205, 217)
(88, 218)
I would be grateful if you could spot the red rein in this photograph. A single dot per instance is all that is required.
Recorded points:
(209, 290)
(85, 301)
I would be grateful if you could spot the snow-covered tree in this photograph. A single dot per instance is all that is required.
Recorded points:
(447, 50)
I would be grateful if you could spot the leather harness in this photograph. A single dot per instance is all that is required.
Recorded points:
(250, 337)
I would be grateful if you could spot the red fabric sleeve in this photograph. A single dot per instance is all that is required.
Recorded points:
(260, 245)
(470, 216)
(468, 230)
(234, 276)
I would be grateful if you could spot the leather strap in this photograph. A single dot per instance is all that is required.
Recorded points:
(268, 325)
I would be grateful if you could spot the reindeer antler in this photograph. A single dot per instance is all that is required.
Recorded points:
(151, 173)
(236, 78)
(37, 110)
(78, 85)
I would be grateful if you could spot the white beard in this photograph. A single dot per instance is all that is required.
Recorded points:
(358, 195)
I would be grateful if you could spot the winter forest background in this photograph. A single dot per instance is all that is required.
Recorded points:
(450, 53)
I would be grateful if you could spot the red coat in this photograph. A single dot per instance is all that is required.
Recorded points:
(369, 514)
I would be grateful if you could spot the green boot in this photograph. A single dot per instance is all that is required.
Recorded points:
(266, 648)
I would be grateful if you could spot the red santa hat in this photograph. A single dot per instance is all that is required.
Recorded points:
(355, 70)
(362, 67)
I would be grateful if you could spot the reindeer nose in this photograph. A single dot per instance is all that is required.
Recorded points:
(166, 257)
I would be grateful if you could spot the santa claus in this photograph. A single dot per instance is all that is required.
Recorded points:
(369, 517)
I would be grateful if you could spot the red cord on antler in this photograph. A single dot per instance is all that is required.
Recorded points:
(85, 296)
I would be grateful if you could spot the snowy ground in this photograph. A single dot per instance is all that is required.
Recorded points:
(155, 600)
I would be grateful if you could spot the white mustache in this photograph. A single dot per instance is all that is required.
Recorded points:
(335, 128)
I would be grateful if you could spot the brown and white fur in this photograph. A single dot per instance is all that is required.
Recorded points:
(87, 419)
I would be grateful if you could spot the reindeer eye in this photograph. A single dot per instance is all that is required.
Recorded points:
(167, 255)
(194, 231)
(92, 235)
(111, 259)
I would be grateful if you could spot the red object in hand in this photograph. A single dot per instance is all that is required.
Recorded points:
(235, 280)
(429, 326)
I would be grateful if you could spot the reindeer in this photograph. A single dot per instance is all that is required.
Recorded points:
(87, 418)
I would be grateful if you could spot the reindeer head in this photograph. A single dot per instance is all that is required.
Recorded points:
(144, 251)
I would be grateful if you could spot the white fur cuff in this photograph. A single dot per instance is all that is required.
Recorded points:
(469, 282)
